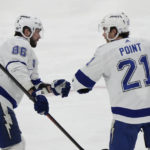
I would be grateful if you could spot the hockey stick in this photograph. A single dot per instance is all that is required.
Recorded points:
(48, 115)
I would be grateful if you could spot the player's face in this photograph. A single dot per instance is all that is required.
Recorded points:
(34, 39)
(111, 34)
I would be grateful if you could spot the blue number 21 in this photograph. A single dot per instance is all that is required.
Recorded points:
(132, 66)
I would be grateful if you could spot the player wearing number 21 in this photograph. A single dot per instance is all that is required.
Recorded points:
(124, 64)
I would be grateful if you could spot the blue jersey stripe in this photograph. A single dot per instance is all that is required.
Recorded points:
(14, 62)
(84, 80)
(130, 112)
(5, 94)
(36, 82)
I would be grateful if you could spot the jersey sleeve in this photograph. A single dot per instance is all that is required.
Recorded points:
(87, 76)
(35, 79)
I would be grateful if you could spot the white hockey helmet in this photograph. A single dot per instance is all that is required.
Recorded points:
(118, 20)
(27, 21)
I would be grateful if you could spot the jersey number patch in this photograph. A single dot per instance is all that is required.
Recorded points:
(19, 50)
(132, 66)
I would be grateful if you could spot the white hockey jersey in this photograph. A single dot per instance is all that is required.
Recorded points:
(125, 66)
(17, 56)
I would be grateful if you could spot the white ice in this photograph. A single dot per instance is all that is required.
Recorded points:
(70, 39)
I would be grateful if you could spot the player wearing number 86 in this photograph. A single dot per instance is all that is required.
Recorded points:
(124, 64)
(19, 59)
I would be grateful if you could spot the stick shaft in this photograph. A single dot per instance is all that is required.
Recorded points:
(48, 115)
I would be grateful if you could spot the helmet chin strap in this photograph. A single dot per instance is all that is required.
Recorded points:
(112, 39)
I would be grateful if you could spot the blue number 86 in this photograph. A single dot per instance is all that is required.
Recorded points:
(19, 50)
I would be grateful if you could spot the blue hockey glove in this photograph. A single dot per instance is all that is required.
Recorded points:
(60, 87)
(41, 103)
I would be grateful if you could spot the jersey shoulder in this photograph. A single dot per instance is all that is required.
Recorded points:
(15, 48)
(137, 40)
(20, 41)
(104, 49)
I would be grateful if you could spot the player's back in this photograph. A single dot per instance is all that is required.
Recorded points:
(127, 76)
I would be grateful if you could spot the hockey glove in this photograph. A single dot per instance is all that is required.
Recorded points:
(60, 87)
(41, 103)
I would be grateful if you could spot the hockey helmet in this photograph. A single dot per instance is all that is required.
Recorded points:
(118, 20)
(27, 21)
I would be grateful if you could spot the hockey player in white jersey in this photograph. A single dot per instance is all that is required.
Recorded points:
(18, 57)
(124, 64)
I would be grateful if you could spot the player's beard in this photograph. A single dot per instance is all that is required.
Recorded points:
(33, 42)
